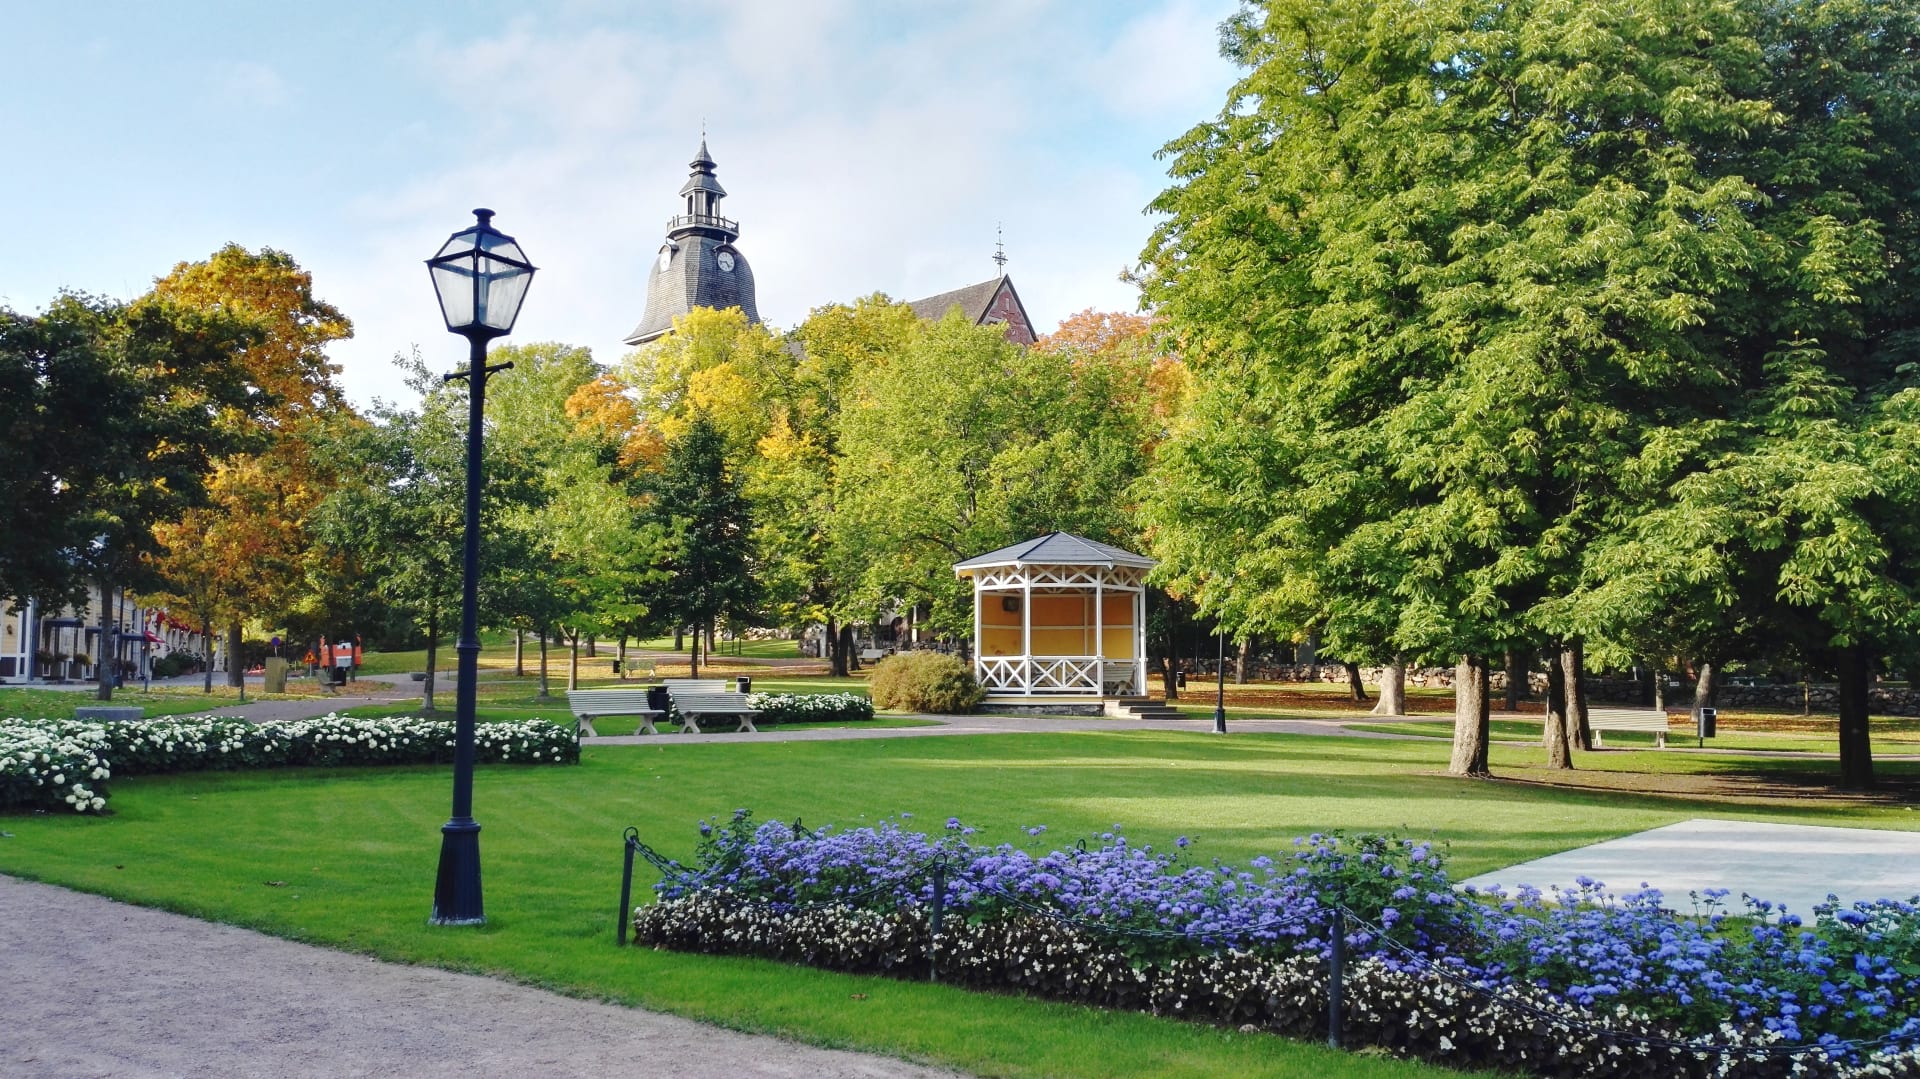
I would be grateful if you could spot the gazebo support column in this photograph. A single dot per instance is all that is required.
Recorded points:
(1026, 636)
(1100, 637)
(1140, 641)
(979, 671)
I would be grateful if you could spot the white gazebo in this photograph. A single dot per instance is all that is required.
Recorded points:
(1061, 618)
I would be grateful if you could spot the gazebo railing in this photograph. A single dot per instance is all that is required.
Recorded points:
(1084, 675)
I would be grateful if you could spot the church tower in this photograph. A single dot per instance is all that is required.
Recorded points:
(698, 266)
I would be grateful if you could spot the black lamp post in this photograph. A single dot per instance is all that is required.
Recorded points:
(480, 275)
(1220, 683)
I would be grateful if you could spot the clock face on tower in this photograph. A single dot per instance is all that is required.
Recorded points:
(666, 258)
(725, 261)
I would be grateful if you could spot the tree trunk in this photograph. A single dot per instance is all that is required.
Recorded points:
(519, 652)
(1856, 752)
(236, 667)
(1516, 679)
(573, 659)
(620, 657)
(1471, 724)
(102, 663)
(1660, 689)
(1393, 690)
(1573, 660)
(593, 646)
(1706, 686)
(837, 657)
(433, 663)
(544, 630)
(1558, 735)
(848, 640)
(206, 638)
(1355, 686)
(679, 638)
(1240, 662)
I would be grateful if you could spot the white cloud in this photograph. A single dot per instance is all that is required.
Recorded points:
(248, 83)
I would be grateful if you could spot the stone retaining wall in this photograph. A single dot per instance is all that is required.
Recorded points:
(1794, 696)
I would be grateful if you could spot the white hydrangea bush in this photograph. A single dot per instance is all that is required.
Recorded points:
(811, 707)
(43, 767)
(63, 764)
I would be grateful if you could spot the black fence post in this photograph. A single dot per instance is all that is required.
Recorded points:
(631, 841)
(935, 918)
(1336, 974)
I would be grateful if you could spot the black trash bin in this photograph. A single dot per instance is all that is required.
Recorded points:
(657, 698)
(743, 684)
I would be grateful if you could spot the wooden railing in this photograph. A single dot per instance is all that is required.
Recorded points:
(1041, 675)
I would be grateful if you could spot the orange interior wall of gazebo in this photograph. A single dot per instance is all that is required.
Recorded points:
(1062, 625)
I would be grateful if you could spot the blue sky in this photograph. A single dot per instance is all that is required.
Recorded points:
(866, 146)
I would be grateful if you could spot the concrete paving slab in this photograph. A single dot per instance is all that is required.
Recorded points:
(1792, 864)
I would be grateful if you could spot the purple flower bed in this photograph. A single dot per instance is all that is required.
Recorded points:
(1559, 984)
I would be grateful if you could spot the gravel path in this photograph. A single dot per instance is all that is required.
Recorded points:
(99, 988)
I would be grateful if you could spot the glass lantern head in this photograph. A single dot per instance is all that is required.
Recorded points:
(480, 276)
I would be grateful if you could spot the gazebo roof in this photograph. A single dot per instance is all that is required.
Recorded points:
(1057, 549)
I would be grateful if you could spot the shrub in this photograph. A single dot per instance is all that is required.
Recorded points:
(925, 682)
(48, 766)
(811, 707)
(57, 764)
(174, 664)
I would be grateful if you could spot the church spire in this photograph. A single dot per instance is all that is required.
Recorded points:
(698, 266)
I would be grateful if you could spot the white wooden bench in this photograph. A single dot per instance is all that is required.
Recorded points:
(590, 704)
(874, 655)
(1651, 720)
(696, 697)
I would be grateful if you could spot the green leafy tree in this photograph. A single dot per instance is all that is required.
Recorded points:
(711, 572)
(126, 392)
(263, 496)
(1466, 276)
(398, 524)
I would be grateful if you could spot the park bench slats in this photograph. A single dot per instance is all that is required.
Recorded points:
(697, 697)
(1651, 720)
(587, 704)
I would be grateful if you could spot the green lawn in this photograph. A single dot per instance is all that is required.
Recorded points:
(1892, 741)
(357, 848)
(772, 649)
(168, 701)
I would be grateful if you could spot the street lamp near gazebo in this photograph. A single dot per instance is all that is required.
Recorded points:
(480, 276)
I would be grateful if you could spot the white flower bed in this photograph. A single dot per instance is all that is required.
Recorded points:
(811, 707)
(50, 768)
(62, 764)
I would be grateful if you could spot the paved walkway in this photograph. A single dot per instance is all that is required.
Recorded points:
(1793, 864)
(950, 725)
(99, 988)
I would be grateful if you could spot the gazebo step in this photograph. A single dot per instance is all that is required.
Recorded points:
(1141, 708)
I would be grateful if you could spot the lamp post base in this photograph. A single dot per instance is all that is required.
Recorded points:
(456, 893)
